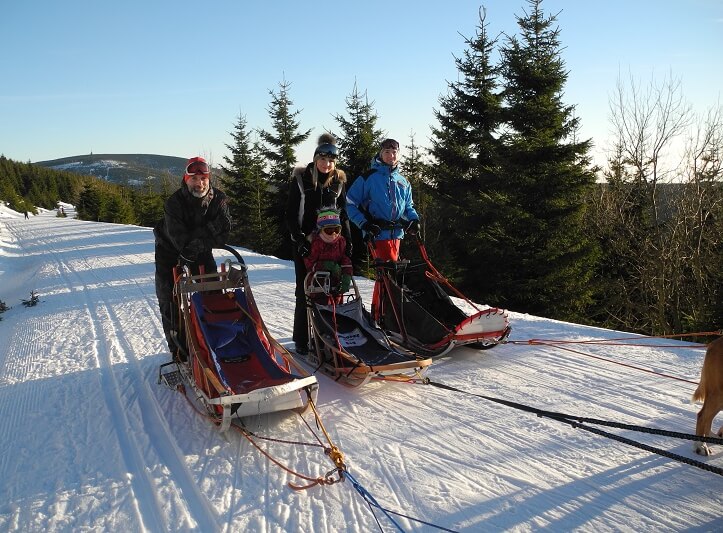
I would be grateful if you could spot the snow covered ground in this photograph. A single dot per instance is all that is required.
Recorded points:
(90, 442)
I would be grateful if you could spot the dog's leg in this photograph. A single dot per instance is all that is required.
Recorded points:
(703, 425)
(710, 392)
(701, 448)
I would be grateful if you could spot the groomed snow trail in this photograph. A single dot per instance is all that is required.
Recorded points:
(91, 442)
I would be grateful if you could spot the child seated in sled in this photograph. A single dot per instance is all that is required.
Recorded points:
(328, 252)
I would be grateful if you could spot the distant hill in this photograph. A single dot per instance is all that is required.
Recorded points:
(134, 170)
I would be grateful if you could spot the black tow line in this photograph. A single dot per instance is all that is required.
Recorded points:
(579, 423)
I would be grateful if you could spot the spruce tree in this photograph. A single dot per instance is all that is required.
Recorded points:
(118, 210)
(149, 205)
(278, 149)
(90, 203)
(359, 138)
(541, 257)
(358, 144)
(465, 172)
(249, 194)
(416, 171)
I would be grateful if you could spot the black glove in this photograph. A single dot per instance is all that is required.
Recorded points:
(303, 247)
(212, 228)
(372, 228)
(349, 247)
(191, 251)
(413, 227)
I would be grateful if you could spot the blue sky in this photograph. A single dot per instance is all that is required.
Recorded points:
(171, 78)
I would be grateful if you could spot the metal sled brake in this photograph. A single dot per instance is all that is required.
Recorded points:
(227, 354)
(418, 314)
(346, 344)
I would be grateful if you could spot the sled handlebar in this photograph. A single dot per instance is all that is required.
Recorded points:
(402, 264)
(233, 252)
(387, 224)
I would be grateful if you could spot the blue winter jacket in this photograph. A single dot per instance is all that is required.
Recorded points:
(383, 196)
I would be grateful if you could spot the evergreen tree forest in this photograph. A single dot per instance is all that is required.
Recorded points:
(26, 187)
(512, 209)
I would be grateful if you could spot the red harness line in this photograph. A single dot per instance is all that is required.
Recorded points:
(557, 344)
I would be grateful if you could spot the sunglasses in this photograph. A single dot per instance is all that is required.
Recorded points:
(327, 150)
(197, 167)
(331, 230)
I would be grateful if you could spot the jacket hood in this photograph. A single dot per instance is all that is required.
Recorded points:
(378, 164)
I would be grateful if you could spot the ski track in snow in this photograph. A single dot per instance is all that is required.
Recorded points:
(97, 444)
(122, 384)
(149, 416)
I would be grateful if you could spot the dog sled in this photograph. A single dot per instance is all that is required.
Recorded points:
(346, 344)
(416, 311)
(225, 352)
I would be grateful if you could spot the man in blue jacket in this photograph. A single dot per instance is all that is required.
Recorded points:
(380, 203)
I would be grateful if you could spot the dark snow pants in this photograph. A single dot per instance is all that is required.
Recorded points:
(301, 332)
(165, 261)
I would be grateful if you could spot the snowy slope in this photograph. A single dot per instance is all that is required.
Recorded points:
(90, 442)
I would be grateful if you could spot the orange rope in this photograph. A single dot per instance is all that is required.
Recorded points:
(333, 452)
(557, 345)
(616, 341)
(328, 479)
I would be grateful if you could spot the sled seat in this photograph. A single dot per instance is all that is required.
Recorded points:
(356, 340)
(241, 358)
(220, 308)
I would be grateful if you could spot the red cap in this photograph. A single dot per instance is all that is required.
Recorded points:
(189, 163)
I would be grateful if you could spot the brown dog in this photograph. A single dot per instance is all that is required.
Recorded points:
(710, 392)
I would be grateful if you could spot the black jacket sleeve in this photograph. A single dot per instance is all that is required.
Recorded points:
(217, 221)
(292, 208)
(177, 228)
(343, 215)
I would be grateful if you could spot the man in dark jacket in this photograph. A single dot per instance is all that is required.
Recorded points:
(196, 219)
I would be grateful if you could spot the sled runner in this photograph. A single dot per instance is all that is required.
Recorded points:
(226, 353)
(415, 309)
(345, 342)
